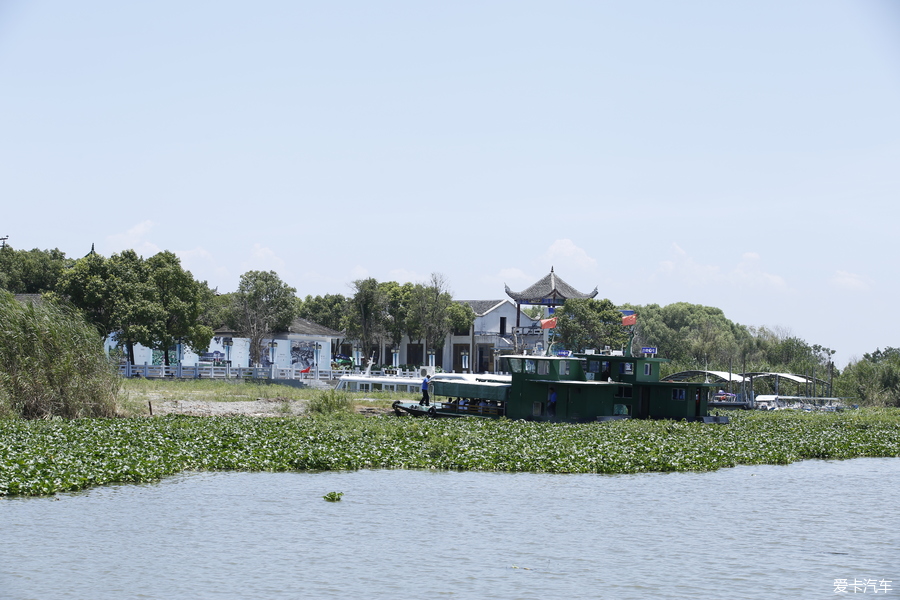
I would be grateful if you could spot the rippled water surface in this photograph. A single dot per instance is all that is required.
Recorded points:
(748, 532)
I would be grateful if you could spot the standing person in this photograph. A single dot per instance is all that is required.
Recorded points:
(424, 401)
(551, 402)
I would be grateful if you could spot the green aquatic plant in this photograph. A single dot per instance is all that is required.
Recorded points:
(333, 496)
(42, 457)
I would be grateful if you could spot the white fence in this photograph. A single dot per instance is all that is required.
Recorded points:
(228, 372)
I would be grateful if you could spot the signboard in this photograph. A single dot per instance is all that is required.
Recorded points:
(649, 350)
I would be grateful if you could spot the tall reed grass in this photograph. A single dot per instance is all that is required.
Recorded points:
(52, 363)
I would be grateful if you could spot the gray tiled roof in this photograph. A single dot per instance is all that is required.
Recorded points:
(482, 307)
(550, 286)
(298, 326)
(305, 327)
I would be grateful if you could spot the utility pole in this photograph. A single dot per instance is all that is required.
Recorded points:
(3, 241)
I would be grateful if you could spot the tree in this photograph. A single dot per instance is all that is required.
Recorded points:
(132, 296)
(583, 323)
(365, 317)
(87, 286)
(428, 318)
(31, 271)
(328, 310)
(180, 298)
(461, 316)
(262, 305)
(399, 298)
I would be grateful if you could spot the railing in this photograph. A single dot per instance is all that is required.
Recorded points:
(226, 372)
(209, 371)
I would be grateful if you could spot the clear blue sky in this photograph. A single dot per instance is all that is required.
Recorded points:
(744, 155)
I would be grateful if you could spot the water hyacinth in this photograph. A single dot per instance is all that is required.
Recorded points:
(48, 456)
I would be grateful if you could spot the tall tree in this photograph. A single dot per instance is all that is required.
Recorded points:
(429, 314)
(399, 298)
(365, 316)
(180, 298)
(327, 310)
(262, 305)
(134, 301)
(87, 286)
(583, 323)
(31, 271)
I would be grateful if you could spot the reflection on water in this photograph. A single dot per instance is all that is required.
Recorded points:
(748, 532)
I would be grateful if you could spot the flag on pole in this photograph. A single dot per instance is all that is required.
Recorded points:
(548, 323)
(629, 319)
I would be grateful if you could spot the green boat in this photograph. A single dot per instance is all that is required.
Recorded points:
(586, 387)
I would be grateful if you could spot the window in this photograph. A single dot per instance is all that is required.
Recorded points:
(515, 365)
(678, 394)
(648, 369)
(621, 409)
(564, 367)
(502, 325)
(593, 366)
(623, 392)
(543, 367)
(530, 365)
(627, 368)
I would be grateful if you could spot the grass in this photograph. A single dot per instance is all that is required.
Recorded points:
(43, 457)
(135, 393)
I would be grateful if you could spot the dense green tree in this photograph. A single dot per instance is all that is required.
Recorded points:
(365, 317)
(133, 301)
(429, 315)
(262, 305)
(583, 323)
(31, 271)
(180, 298)
(874, 380)
(87, 286)
(328, 310)
(399, 299)
(461, 316)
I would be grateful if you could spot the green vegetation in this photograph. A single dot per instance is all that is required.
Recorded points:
(333, 496)
(47, 456)
(52, 363)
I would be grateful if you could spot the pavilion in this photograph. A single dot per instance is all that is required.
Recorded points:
(551, 291)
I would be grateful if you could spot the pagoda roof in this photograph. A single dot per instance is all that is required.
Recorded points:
(549, 290)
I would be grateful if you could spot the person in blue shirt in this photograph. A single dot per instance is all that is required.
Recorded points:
(551, 402)
(425, 400)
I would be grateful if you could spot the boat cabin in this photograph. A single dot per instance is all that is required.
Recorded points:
(586, 387)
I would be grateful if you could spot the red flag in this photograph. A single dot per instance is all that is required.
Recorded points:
(629, 319)
(307, 369)
(548, 323)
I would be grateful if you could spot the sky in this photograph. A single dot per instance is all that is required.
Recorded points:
(742, 155)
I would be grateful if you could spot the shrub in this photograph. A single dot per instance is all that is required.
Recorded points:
(328, 402)
(52, 363)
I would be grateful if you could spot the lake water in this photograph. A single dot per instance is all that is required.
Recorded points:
(747, 532)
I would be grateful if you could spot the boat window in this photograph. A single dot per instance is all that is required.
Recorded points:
(364, 387)
(593, 366)
(543, 367)
(515, 365)
(648, 368)
(536, 409)
(678, 394)
(563, 367)
(621, 409)
(623, 392)
(530, 365)
(627, 368)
